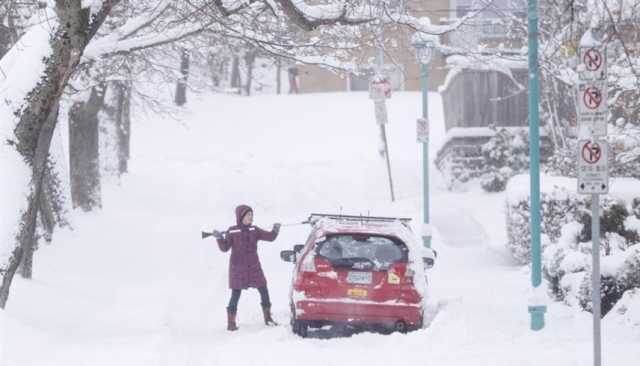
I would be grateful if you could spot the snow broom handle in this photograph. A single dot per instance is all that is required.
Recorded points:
(296, 223)
(206, 234)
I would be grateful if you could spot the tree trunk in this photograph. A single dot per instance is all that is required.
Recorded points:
(278, 76)
(34, 130)
(181, 88)
(8, 27)
(43, 209)
(249, 59)
(84, 151)
(235, 72)
(123, 125)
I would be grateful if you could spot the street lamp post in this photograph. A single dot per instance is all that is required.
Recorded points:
(424, 51)
(537, 308)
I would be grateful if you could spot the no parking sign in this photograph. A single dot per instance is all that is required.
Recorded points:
(593, 63)
(592, 108)
(593, 169)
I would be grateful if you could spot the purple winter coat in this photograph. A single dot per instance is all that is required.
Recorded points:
(245, 270)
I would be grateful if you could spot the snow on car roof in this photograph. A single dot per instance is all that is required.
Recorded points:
(330, 225)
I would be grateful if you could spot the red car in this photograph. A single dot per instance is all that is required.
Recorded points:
(358, 271)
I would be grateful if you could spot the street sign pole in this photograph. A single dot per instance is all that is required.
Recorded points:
(379, 100)
(595, 279)
(592, 154)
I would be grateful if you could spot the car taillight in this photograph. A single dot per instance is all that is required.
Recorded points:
(308, 264)
(409, 274)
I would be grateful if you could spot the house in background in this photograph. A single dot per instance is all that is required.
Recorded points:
(400, 61)
(400, 57)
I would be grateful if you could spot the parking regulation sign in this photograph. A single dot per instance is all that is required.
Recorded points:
(593, 63)
(592, 108)
(593, 170)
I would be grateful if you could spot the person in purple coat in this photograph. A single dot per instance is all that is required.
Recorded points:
(245, 270)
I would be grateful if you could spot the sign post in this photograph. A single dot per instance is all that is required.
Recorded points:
(592, 157)
(379, 92)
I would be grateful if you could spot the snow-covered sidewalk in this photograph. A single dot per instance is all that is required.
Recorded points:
(135, 284)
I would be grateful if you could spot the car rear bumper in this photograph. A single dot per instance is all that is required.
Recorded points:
(359, 312)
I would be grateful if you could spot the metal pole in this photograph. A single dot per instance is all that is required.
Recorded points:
(424, 86)
(537, 310)
(384, 137)
(595, 277)
(383, 130)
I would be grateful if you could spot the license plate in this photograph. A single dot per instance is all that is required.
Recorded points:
(357, 292)
(359, 278)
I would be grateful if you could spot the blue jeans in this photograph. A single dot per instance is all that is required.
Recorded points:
(235, 297)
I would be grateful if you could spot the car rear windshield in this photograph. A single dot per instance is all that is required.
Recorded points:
(346, 250)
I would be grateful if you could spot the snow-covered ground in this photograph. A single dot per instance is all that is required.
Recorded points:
(133, 284)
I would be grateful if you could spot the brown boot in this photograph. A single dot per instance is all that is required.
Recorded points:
(231, 321)
(268, 320)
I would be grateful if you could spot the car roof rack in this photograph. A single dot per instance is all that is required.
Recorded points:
(314, 217)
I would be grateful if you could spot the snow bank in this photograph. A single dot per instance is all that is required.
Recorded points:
(21, 68)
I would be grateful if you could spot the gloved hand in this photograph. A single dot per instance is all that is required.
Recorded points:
(276, 227)
(217, 235)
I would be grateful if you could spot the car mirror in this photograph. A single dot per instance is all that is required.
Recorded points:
(429, 257)
(298, 248)
(428, 263)
(288, 256)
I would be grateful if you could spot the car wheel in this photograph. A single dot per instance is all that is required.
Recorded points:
(401, 327)
(300, 328)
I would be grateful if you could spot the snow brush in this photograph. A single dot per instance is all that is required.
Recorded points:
(206, 235)
(297, 223)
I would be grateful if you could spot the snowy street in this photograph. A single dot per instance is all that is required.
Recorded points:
(133, 283)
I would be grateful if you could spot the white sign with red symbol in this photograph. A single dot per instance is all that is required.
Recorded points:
(592, 108)
(422, 130)
(593, 63)
(380, 88)
(593, 169)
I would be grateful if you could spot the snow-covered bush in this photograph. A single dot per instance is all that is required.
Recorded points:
(558, 207)
(635, 207)
(627, 309)
(614, 234)
(505, 155)
(566, 238)
(620, 273)
(563, 161)
(496, 180)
